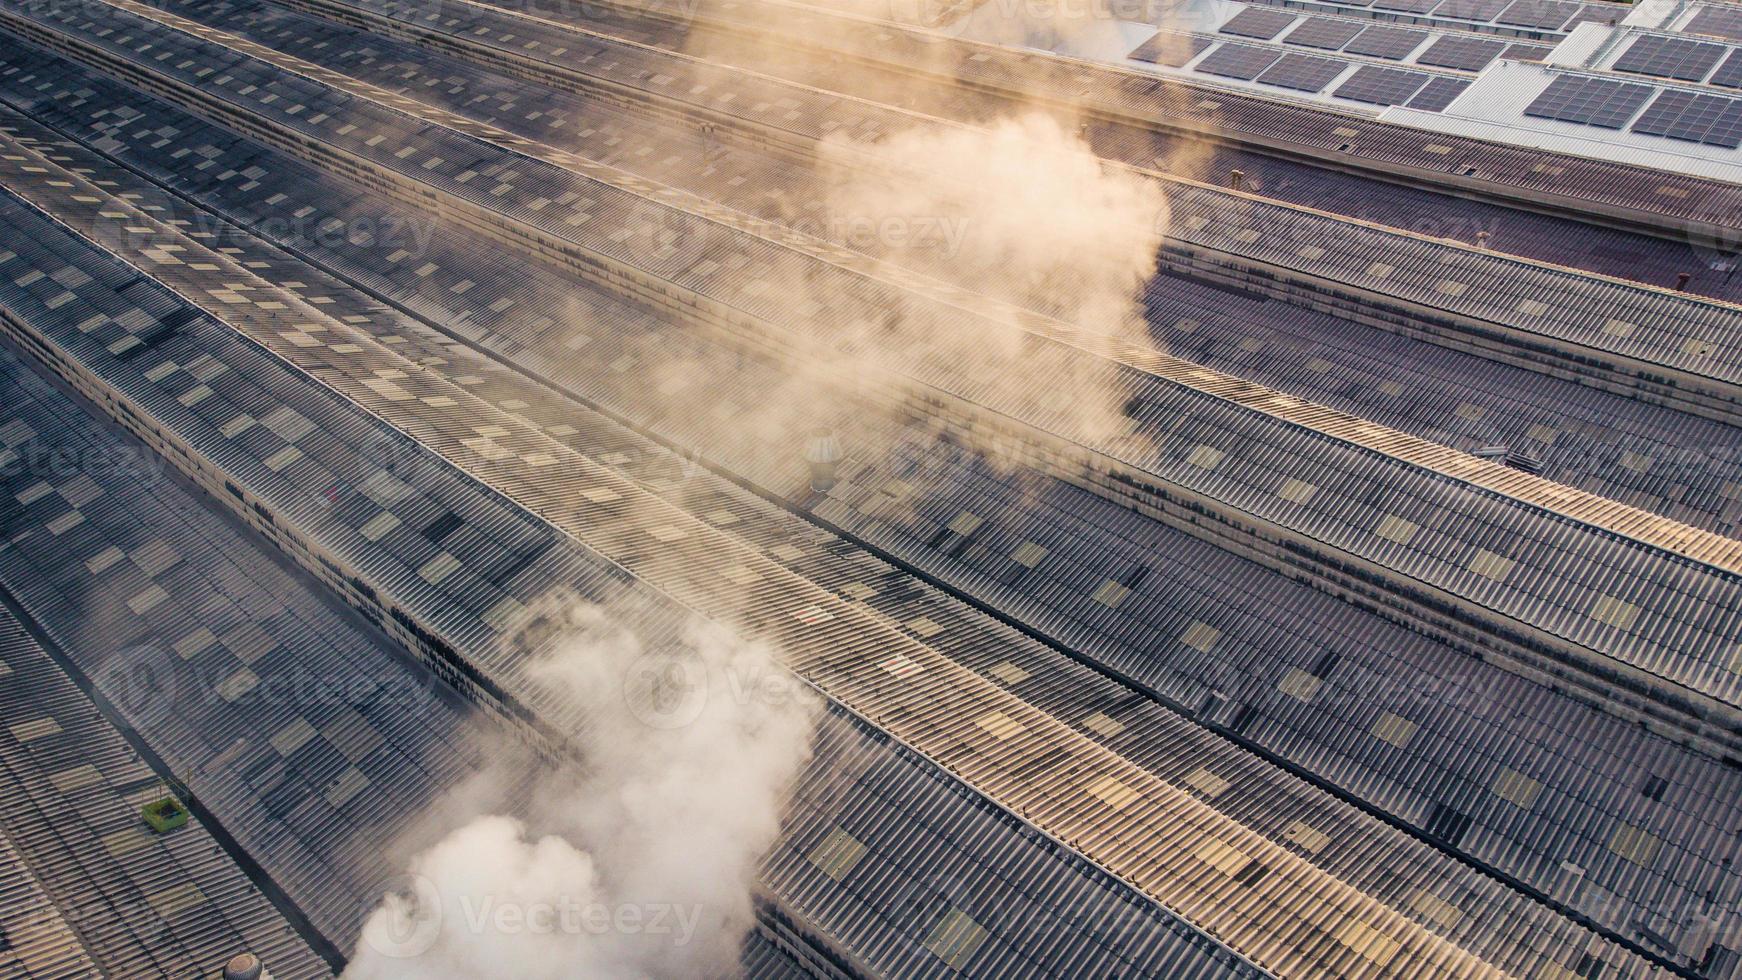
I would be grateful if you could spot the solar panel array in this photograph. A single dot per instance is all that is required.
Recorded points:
(1381, 86)
(1717, 20)
(1589, 101)
(1171, 49)
(1439, 93)
(1729, 74)
(1391, 43)
(1710, 119)
(1535, 15)
(1242, 61)
(1327, 33)
(1526, 52)
(1461, 52)
(1303, 72)
(1263, 23)
(1669, 57)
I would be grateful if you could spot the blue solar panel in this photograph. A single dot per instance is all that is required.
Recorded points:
(1525, 52)
(1717, 21)
(1303, 72)
(1381, 86)
(1240, 61)
(1456, 51)
(1323, 32)
(1170, 49)
(1709, 119)
(1669, 57)
(1729, 74)
(1439, 93)
(1589, 101)
(1258, 22)
(1391, 43)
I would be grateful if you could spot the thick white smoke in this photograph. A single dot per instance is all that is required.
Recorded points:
(1025, 209)
(644, 863)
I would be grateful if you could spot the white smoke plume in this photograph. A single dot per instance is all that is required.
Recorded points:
(1034, 216)
(1021, 211)
(642, 862)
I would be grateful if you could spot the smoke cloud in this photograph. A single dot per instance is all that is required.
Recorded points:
(1039, 220)
(641, 861)
(1016, 207)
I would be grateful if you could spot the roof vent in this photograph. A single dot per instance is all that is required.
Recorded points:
(822, 451)
(245, 966)
(1508, 457)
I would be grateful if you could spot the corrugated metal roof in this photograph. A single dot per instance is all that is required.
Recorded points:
(1644, 645)
(695, 574)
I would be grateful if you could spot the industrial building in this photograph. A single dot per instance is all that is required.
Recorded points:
(1368, 605)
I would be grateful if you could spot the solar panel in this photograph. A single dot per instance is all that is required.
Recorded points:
(1170, 49)
(1547, 15)
(1718, 21)
(1729, 74)
(1303, 72)
(1480, 11)
(1380, 86)
(1669, 57)
(1323, 32)
(1392, 43)
(1407, 6)
(1241, 61)
(1525, 52)
(1709, 119)
(1455, 51)
(1258, 22)
(1439, 93)
(1589, 101)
